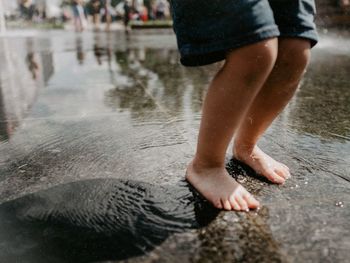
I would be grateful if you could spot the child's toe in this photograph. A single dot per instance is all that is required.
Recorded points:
(274, 177)
(218, 204)
(226, 204)
(251, 201)
(285, 167)
(234, 203)
(242, 203)
(282, 173)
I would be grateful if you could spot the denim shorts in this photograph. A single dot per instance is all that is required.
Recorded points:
(207, 29)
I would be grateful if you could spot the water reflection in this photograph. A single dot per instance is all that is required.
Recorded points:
(40, 63)
(321, 106)
(152, 76)
(32, 60)
(103, 51)
(79, 50)
(23, 72)
(5, 129)
(148, 76)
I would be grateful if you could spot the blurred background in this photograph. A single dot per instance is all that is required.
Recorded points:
(56, 13)
(59, 13)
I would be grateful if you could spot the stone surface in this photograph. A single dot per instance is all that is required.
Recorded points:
(86, 117)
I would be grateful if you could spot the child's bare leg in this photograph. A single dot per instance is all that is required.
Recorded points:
(293, 57)
(228, 98)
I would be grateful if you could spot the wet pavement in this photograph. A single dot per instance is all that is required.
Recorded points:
(96, 131)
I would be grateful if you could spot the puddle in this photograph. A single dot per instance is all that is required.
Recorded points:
(119, 116)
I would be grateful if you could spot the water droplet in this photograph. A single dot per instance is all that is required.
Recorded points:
(23, 165)
(340, 204)
(242, 180)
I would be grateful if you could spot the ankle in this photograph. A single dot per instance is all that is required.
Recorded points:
(199, 164)
(241, 149)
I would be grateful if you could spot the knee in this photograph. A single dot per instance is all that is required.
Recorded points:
(292, 60)
(254, 62)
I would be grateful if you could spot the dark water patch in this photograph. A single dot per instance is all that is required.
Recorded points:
(95, 220)
(238, 170)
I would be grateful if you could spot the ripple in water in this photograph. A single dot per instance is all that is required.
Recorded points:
(96, 220)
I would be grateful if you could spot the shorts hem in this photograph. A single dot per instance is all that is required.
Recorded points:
(309, 34)
(199, 55)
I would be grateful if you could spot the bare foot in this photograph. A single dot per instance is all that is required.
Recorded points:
(219, 188)
(263, 164)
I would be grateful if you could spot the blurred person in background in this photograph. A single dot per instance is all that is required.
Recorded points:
(143, 13)
(95, 10)
(127, 14)
(148, 5)
(161, 9)
(78, 15)
(107, 8)
(27, 9)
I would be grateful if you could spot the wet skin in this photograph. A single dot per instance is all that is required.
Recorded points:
(293, 57)
(252, 78)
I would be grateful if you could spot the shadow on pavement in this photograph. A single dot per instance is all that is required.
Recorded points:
(97, 219)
